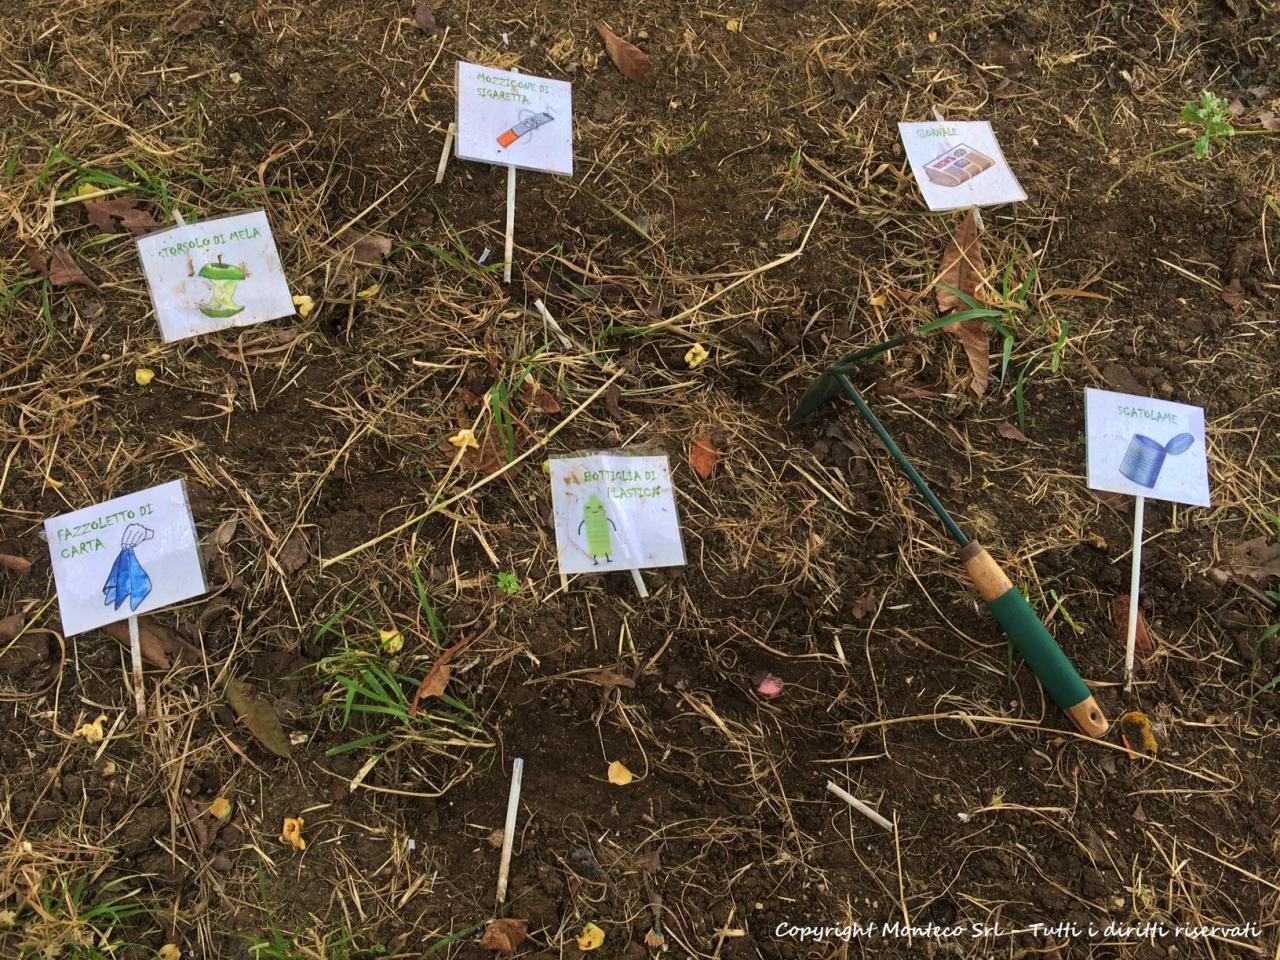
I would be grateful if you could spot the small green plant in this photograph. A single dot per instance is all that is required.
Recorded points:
(1212, 115)
(340, 944)
(1267, 634)
(508, 583)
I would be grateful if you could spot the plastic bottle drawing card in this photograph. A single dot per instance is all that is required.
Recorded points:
(959, 164)
(218, 273)
(614, 512)
(125, 557)
(1146, 447)
(514, 119)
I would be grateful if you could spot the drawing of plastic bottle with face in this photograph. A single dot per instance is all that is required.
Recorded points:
(529, 122)
(599, 528)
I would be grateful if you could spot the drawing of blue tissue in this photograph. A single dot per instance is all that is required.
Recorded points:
(1145, 457)
(127, 580)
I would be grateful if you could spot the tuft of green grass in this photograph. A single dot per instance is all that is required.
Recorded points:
(84, 920)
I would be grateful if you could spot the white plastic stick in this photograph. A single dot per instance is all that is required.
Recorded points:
(858, 805)
(509, 831)
(135, 654)
(1131, 635)
(640, 587)
(444, 152)
(511, 225)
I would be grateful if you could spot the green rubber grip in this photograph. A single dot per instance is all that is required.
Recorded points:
(1038, 649)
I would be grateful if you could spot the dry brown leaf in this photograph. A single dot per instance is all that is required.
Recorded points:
(161, 647)
(370, 249)
(1010, 432)
(437, 678)
(294, 554)
(104, 215)
(1142, 644)
(1233, 294)
(632, 62)
(61, 269)
(703, 456)
(865, 605)
(612, 394)
(257, 713)
(1269, 121)
(962, 269)
(1136, 732)
(226, 530)
(609, 679)
(11, 626)
(426, 20)
(15, 564)
(505, 935)
(544, 400)
(1254, 562)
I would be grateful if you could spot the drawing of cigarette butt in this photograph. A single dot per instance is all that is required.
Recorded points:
(524, 126)
(957, 165)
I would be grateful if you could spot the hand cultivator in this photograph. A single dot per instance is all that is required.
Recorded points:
(1005, 601)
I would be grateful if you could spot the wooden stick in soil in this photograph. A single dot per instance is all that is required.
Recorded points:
(509, 830)
(444, 152)
(1135, 573)
(135, 655)
(858, 805)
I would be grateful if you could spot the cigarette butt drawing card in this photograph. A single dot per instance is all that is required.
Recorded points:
(125, 557)
(514, 119)
(959, 164)
(218, 273)
(615, 511)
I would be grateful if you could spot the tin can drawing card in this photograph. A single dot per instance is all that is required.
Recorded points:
(959, 164)
(1146, 447)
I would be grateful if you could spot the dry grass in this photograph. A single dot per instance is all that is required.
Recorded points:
(754, 201)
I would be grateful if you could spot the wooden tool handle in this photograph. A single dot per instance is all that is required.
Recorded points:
(1028, 635)
(1088, 718)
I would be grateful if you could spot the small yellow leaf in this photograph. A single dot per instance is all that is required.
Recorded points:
(292, 833)
(143, 376)
(369, 292)
(734, 26)
(52, 484)
(304, 304)
(933, 36)
(220, 808)
(464, 439)
(87, 190)
(619, 774)
(591, 937)
(391, 641)
(169, 951)
(93, 732)
(1136, 732)
(696, 355)
(8, 918)
(878, 300)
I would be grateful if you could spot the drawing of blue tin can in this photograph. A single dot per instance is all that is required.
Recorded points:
(1145, 457)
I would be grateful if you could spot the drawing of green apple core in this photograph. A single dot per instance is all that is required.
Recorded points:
(224, 278)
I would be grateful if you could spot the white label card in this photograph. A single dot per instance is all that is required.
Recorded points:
(125, 557)
(959, 165)
(615, 512)
(215, 274)
(514, 119)
(1146, 447)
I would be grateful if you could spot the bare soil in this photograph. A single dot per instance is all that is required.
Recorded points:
(809, 555)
